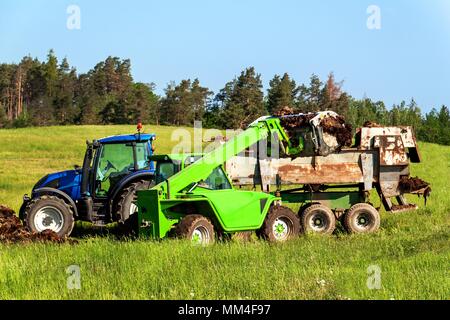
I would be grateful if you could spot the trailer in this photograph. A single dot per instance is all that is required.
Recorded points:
(379, 159)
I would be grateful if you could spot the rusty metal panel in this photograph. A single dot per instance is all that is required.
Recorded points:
(389, 180)
(265, 171)
(320, 173)
(343, 167)
(243, 170)
(368, 134)
(389, 188)
(367, 166)
(392, 150)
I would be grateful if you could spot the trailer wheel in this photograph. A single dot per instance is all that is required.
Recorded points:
(318, 218)
(49, 213)
(362, 218)
(281, 224)
(196, 228)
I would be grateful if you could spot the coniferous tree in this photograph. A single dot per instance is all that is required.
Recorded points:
(65, 110)
(444, 124)
(145, 105)
(46, 93)
(309, 97)
(333, 98)
(184, 102)
(282, 93)
(199, 100)
(243, 100)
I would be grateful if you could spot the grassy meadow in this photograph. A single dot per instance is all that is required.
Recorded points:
(412, 249)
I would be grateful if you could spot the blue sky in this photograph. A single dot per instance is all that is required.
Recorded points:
(214, 40)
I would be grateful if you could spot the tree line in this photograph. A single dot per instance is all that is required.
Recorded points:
(51, 92)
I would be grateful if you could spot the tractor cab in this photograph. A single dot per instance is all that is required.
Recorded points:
(115, 158)
(110, 166)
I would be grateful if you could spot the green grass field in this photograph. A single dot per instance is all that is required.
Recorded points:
(412, 249)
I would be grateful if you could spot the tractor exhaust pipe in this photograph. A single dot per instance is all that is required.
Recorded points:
(85, 170)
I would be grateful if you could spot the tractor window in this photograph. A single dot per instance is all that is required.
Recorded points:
(217, 180)
(115, 161)
(164, 170)
(142, 154)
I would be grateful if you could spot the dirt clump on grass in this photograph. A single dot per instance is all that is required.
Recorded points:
(13, 231)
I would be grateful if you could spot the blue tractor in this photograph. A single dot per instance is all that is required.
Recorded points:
(101, 192)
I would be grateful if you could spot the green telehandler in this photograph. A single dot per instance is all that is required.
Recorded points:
(200, 201)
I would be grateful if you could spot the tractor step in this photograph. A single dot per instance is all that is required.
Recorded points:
(100, 220)
(99, 223)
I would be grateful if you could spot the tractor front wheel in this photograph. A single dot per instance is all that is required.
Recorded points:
(49, 213)
(126, 208)
(196, 228)
(281, 224)
(362, 218)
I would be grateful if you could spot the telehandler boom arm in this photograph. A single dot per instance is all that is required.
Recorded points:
(258, 131)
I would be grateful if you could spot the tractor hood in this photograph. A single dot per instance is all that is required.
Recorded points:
(68, 181)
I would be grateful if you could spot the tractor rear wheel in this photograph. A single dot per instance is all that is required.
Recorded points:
(126, 207)
(318, 218)
(362, 218)
(196, 228)
(49, 213)
(281, 224)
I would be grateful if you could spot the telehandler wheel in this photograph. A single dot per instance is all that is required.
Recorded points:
(126, 206)
(318, 218)
(281, 224)
(49, 213)
(196, 228)
(362, 218)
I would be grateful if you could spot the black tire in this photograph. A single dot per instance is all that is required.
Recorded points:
(318, 218)
(362, 218)
(49, 213)
(196, 228)
(281, 224)
(124, 207)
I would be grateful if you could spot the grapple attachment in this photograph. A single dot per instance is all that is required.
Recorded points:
(317, 133)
